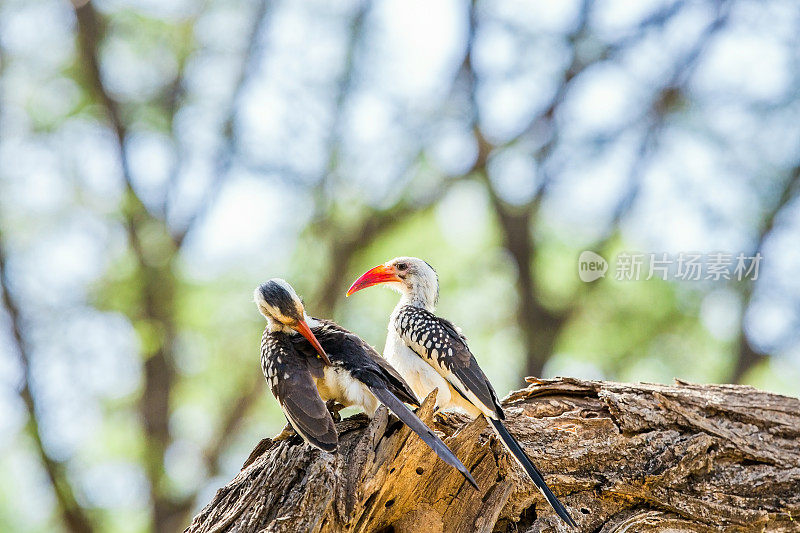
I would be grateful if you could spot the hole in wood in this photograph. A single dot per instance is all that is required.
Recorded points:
(389, 503)
(420, 470)
(584, 510)
(526, 518)
(392, 470)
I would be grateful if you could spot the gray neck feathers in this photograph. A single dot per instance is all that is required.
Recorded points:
(424, 293)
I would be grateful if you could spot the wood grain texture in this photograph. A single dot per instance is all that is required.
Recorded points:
(621, 457)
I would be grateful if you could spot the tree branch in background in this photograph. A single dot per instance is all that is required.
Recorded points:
(373, 223)
(72, 515)
(154, 317)
(747, 356)
(346, 239)
(227, 150)
(344, 85)
(539, 324)
(230, 424)
(342, 242)
(171, 100)
(155, 262)
(225, 434)
(666, 101)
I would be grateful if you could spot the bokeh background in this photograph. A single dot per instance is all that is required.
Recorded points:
(160, 159)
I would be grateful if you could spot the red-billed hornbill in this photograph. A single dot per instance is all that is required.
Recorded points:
(330, 363)
(430, 352)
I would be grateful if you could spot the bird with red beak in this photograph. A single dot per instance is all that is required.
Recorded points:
(431, 353)
(327, 362)
(291, 376)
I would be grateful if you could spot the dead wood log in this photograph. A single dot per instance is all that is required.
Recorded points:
(621, 457)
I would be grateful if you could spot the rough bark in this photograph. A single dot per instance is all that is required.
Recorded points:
(622, 457)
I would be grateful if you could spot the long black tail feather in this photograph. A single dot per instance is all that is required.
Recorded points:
(417, 426)
(522, 458)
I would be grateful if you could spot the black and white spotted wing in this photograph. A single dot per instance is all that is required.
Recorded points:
(439, 342)
(356, 356)
(289, 375)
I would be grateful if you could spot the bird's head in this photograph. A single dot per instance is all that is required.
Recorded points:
(412, 277)
(284, 311)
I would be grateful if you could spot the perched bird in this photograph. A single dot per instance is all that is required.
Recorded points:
(327, 362)
(430, 352)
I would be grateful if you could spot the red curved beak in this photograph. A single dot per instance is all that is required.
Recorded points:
(305, 331)
(374, 276)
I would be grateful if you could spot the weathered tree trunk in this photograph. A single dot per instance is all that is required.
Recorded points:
(621, 457)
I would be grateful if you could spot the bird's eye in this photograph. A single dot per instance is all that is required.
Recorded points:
(402, 266)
